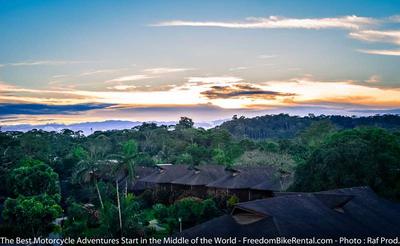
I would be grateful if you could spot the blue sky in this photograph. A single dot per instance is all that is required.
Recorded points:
(203, 59)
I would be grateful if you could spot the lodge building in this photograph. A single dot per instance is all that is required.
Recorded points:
(352, 212)
(246, 183)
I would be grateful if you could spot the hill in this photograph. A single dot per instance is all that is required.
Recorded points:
(285, 126)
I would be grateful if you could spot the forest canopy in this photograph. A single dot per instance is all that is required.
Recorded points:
(76, 178)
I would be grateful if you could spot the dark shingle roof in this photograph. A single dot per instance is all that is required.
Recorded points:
(227, 226)
(166, 174)
(346, 212)
(272, 183)
(141, 172)
(244, 178)
(202, 175)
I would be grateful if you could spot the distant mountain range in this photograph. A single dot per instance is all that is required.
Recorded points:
(90, 127)
(259, 127)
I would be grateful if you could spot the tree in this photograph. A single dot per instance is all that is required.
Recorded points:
(78, 221)
(33, 177)
(185, 122)
(126, 165)
(90, 166)
(87, 173)
(191, 211)
(127, 162)
(220, 157)
(108, 218)
(362, 156)
(281, 161)
(316, 133)
(32, 215)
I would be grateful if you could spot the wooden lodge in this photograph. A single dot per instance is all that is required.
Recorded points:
(246, 183)
(353, 212)
(198, 177)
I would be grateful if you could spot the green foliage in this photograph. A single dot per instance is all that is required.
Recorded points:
(130, 148)
(323, 154)
(364, 156)
(280, 161)
(190, 210)
(314, 135)
(31, 215)
(33, 177)
(78, 221)
(83, 220)
(185, 122)
(80, 153)
(210, 210)
(161, 211)
(184, 158)
(219, 157)
(283, 126)
(231, 202)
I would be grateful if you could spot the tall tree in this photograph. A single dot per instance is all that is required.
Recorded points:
(92, 163)
(364, 156)
(126, 162)
(33, 177)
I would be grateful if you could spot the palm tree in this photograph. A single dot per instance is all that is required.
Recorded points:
(87, 172)
(91, 164)
(125, 165)
(126, 162)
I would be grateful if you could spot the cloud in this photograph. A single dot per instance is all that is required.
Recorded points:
(58, 76)
(394, 18)
(16, 94)
(358, 26)
(142, 88)
(208, 80)
(383, 36)
(224, 91)
(374, 79)
(266, 56)
(100, 71)
(44, 109)
(45, 62)
(275, 22)
(238, 68)
(381, 52)
(130, 78)
(162, 70)
(241, 91)
(309, 91)
(121, 87)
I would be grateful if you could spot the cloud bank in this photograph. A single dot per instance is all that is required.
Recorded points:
(275, 22)
(359, 27)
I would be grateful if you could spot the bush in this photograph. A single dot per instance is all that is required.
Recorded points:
(232, 201)
(32, 216)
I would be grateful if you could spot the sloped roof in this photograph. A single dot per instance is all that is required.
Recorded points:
(383, 216)
(141, 172)
(166, 174)
(202, 175)
(361, 213)
(272, 184)
(244, 178)
(226, 226)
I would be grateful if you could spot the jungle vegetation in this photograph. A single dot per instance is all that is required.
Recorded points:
(51, 176)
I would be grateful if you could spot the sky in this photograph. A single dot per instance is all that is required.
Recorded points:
(78, 61)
